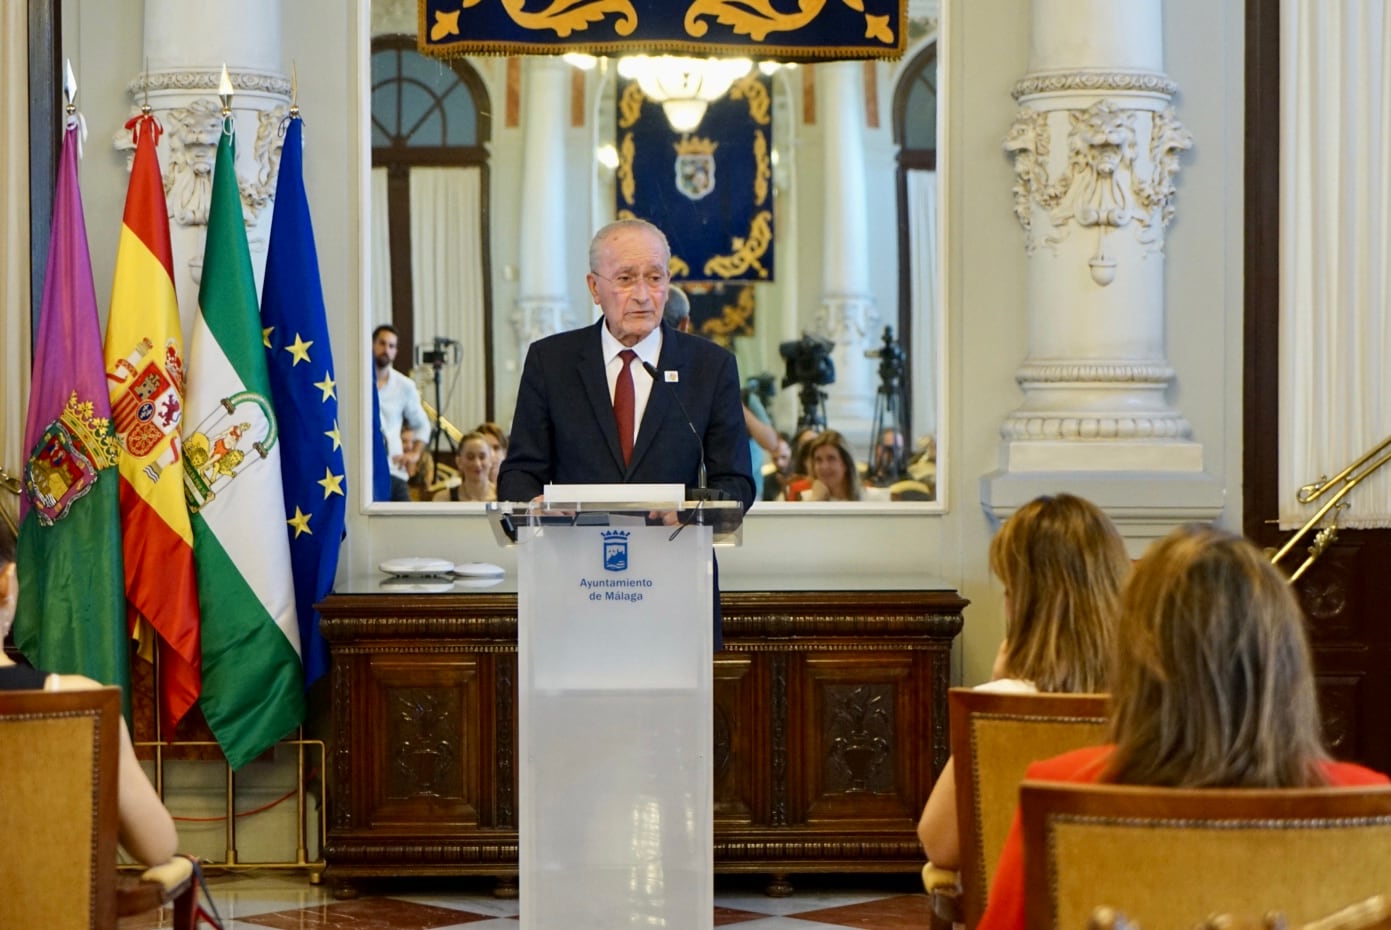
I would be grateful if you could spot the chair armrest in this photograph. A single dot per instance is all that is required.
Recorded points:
(935, 879)
(171, 875)
(944, 889)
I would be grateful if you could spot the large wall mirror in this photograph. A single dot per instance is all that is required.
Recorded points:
(469, 273)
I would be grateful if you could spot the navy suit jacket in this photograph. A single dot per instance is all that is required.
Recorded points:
(563, 431)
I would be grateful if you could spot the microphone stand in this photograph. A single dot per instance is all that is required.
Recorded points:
(702, 492)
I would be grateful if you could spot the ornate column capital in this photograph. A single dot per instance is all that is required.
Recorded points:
(1119, 172)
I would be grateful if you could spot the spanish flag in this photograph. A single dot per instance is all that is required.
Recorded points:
(145, 375)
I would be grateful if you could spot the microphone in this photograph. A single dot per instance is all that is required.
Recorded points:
(702, 488)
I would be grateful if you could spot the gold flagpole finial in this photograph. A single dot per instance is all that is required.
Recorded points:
(225, 91)
(294, 91)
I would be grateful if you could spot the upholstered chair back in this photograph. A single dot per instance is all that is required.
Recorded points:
(994, 737)
(58, 819)
(1170, 857)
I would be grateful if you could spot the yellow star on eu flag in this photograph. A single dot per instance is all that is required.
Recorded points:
(300, 521)
(327, 385)
(265, 335)
(299, 351)
(335, 436)
(331, 483)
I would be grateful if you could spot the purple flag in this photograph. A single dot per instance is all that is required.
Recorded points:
(71, 616)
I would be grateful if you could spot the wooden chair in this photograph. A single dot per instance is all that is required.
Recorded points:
(994, 737)
(1170, 857)
(58, 815)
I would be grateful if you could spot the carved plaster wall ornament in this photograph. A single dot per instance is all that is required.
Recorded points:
(536, 318)
(846, 319)
(194, 131)
(1104, 186)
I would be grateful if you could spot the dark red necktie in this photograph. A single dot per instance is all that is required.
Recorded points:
(623, 404)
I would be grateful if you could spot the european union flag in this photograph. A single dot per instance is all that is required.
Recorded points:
(381, 465)
(306, 400)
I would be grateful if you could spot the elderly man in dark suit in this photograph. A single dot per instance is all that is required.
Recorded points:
(573, 424)
(566, 429)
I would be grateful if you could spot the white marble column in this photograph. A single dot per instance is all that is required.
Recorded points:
(186, 43)
(1097, 149)
(847, 314)
(541, 305)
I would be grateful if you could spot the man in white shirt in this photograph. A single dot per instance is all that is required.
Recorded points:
(401, 410)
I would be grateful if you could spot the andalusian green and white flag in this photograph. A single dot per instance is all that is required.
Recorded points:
(252, 680)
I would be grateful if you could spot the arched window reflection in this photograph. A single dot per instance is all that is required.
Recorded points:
(430, 252)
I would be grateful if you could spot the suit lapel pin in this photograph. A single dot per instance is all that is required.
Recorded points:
(672, 376)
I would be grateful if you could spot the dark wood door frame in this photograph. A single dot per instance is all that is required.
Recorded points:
(1343, 593)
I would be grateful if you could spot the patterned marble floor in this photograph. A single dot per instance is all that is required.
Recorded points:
(260, 900)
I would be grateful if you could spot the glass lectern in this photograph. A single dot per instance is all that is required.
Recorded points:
(614, 649)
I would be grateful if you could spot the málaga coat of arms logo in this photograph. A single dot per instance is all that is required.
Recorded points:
(695, 166)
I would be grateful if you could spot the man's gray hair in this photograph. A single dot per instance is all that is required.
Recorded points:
(678, 307)
(597, 242)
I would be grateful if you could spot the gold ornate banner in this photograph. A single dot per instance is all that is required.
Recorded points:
(786, 30)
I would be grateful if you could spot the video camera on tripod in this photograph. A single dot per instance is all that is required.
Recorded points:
(809, 365)
(439, 353)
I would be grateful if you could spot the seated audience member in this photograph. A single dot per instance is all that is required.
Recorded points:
(887, 463)
(778, 472)
(1211, 687)
(146, 829)
(421, 476)
(834, 476)
(475, 463)
(1061, 562)
(497, 441)
(922, 464)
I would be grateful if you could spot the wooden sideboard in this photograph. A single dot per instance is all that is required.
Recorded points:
(830, 727)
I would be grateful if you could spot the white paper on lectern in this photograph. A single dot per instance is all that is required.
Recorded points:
(673, 494)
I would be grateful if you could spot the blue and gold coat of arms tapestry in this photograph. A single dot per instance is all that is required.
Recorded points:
(711, 189)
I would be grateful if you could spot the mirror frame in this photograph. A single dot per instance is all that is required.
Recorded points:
(939, 326)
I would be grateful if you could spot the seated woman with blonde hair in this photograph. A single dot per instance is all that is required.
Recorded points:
(1062, 564)
(474, 460)
(497, 441)
(146, 829)
(1211, 687)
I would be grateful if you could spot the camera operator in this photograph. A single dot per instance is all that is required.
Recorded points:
(403, 419)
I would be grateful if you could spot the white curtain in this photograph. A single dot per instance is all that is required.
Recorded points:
(381, 250)
(924, 276)
(14, 237)
(1335, 249)
(447, 278)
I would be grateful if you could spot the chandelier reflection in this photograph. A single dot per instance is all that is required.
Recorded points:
(683, 86)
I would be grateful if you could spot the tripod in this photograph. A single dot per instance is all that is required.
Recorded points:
(813, 401)
(888, 457)
(444, 352)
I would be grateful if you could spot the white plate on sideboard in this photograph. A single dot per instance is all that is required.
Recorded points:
(416, 566)
(479, 570)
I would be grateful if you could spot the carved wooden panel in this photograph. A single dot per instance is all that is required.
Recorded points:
(427, 712)
(859, 735)
(741, 740)
(829, 720)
